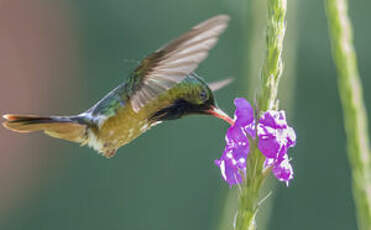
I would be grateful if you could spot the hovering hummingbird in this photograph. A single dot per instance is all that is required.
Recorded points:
(163, 87)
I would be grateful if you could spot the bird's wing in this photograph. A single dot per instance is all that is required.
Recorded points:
(170, 64)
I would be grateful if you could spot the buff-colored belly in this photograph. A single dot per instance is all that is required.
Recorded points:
(121, 129)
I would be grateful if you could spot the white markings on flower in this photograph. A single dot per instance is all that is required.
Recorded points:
(281, 131)
(222, 169)
(249, 130)
(227, 139)
(284, 170)
(285, 164)
(281, 136)
(242, 160)
(265, 130)
(279, 117)
(241, 143)
(229, 155)
(291, 135)
(268, 162)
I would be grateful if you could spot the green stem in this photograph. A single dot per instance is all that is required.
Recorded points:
(270, 76)
(272, 67)
(355, 117)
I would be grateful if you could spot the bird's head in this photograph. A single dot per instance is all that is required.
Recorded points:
(194, 96)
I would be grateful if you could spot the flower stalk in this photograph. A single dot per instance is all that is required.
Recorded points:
(273, 67)
(355, 115)
(267, 100)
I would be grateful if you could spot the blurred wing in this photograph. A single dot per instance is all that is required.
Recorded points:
(172, 63)
(215, 86)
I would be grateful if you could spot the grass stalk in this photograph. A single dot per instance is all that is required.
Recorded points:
(355, 116)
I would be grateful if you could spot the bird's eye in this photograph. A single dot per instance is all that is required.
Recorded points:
(203, 95)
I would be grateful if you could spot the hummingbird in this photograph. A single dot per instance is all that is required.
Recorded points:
(163, 87)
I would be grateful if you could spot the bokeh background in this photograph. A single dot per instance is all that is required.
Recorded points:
(60, 57)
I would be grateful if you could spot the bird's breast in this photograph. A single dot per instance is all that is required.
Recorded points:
(122, 128)
(125, 125)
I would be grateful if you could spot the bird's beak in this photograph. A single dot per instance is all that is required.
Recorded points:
(217, 112)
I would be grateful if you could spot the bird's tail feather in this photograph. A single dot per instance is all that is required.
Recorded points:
(66, 128)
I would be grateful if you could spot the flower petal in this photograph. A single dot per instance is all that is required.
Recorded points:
(244, 112)
(236, 136)
(283, 171)
(231, 173)
(291, 137)
(274, 119)
(275, 136)
(269, 146)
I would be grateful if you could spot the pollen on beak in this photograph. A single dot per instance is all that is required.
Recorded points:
(217, 112)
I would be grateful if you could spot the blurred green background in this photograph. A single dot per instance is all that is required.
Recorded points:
(60, 57)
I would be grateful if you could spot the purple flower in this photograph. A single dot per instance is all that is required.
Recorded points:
(281, 168)
(233, 161)
(275, 137)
